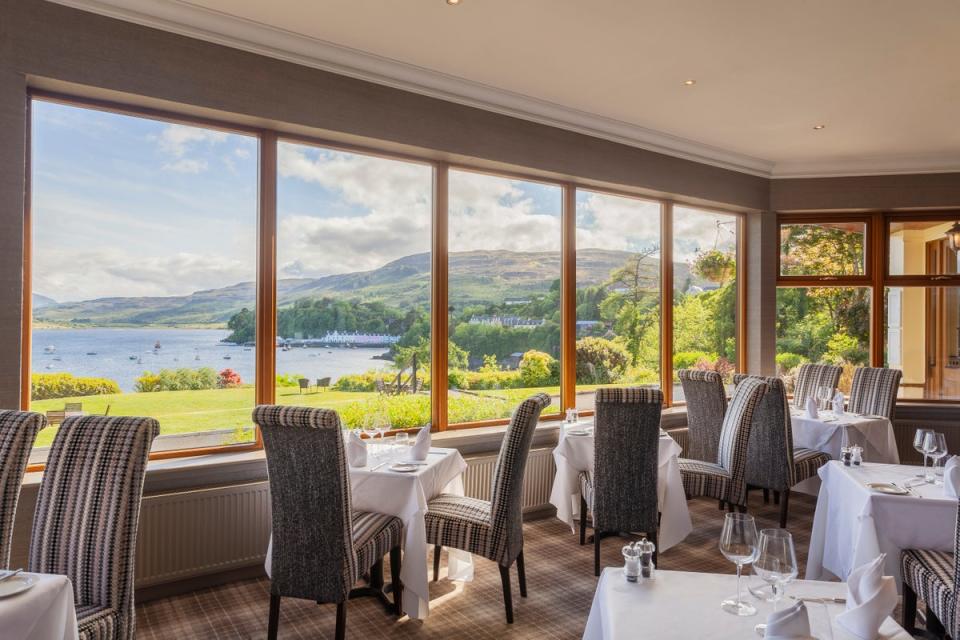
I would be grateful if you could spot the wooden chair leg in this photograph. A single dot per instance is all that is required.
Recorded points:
(720, 504)
(395, 567)
(776, 497)
(274, 621)
(341, 621)
(596, 551)
(730, 507)
(507, 598)
(934, 626)
(766, 496)
(436, 561)
(376, 574)
(583, 521)
(742, 508)
(784, 506)
(521, 576)
(909, 611)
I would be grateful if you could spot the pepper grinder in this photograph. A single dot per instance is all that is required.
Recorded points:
(646, 549)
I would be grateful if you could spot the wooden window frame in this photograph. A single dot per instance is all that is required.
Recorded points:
(826, 280)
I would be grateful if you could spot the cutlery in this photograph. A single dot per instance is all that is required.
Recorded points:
(821, 600)
(378, 466)
(10, 575)
(415, 463)
(906, 488)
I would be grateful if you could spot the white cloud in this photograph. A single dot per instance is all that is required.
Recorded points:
(186, 165)
(240, 152)
(617, 223)
(177, 139)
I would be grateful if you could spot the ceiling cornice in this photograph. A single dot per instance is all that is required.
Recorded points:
(185, 18)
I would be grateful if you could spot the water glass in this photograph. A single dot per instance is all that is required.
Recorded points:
(738, 544)
(935, 446)
(918, 439)
(824, 397)
(776, 564)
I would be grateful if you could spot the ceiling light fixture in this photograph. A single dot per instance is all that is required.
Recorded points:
(818, 127)
(453, 2)
(689, 83)
(953, 236)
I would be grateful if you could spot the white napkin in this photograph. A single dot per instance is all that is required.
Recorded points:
(871, 597)
(812, 411)
(951, 477)
(838, 403)
(421, 447)
(791, 623)
(356, 450)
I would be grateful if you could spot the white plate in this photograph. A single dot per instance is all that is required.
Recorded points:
(16, 584)
(886, 487)
(578, 432)
(404, 468)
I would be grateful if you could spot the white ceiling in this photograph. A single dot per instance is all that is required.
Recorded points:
(882, 75)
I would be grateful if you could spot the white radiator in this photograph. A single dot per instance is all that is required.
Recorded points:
(194, 533)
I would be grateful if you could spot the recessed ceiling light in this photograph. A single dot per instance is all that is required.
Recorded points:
(453, 2)
(817, 127)
(689, 83)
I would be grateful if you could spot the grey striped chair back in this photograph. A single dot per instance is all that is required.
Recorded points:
(874, 391)
(770, 449)
(627, 438)
(85, 524)
(810, 377)
(506, 508)
(18, 432)
(735, 437)
(313, 554)
(706, 406)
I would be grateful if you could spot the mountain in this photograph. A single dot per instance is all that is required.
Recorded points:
(475, 277)
(39, 301)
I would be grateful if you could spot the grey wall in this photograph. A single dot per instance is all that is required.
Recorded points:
(914, 191)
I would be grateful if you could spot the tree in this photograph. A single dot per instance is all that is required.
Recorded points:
(243, 327)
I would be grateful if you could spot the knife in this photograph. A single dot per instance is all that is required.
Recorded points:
(10, 575)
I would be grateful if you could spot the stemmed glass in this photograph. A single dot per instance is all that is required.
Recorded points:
(824, 396)
(918, 439)
(776, 564)
(935, 446)
(370, 430)
(738, 544)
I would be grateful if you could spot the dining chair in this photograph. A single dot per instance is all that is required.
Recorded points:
(811, 377)
(73, 406)
(304, 384)
(492, 529)
(621, 491)
(321, 546)
(725, 479)
(323, 384)
(85, 523)
(773, 463)
(706, 405)
(932, 576)
(18, 432)
(874, 391)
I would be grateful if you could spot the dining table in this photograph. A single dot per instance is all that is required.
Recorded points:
(376, 487)
(858, 517)
(575, 453)
(37, 606)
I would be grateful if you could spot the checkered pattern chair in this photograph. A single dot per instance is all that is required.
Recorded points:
(773, 464)
(706, 405)
(492, 529)
(621, 491)
(874, 391)
(85, 524)
(18, 431)
(811, 377)
(725, 479)
(932, 576)
(321, 547)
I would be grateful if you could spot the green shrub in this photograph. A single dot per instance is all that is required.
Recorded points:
(177, 380)
(288, 379)
(403, 412)
(689, 359)
(44, 386)
(600, 361)
(843, 348)
(366, 381)
(538, 369)
(787, 362)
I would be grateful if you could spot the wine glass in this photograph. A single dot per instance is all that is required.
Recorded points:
(918, 439)
(369, 428)
(824, 396)
(935, 446)
(738, 544)
(776, 564)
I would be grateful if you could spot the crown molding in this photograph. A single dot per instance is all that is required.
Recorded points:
(878, 166)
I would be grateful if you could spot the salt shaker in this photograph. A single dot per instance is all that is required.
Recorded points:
(856, 455)
(631, 563)
(846, 454)
(646, 549)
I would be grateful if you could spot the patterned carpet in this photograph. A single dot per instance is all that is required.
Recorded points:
(559, 577)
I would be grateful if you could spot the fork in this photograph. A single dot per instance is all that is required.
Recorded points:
(10, 574)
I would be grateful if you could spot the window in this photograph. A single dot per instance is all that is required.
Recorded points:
(823, 249)
(920, 247)
(705, 305)
(618, 293)
(143, 259)
(504, 294)
(353, 284)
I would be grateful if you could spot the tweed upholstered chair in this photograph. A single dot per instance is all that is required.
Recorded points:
(932, 576)
(621, 491)
(321, 547)
(85, 524)
(874, 391)
(18, 431)
(811, 377)
(492, 529)
(706, 405)
(773, 463)
(725, 479)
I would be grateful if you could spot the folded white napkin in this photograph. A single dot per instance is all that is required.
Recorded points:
(812, 410)
(951, 477)
(791, 623)
(838, 403)
(356, 450)
(421, 447)
(871, 597)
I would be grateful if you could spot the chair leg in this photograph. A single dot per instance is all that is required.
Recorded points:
(766, 496)
(909, 612)
(776, 497)
(341, 621)
(436, 561)
(742, 508)
(395, 566)
(274, 621)
(376, 574)
(784, 506)
(596, 551)
(934, 626)
(583, 521)
(521, 575)
(507, 598)
(730, 507)
(720, 504)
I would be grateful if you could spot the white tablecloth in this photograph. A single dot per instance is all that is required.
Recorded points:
(405, 496)
(43, 612)
(854, 524)
(574, 454)
(686, 605)
(874, 434)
